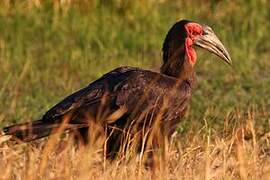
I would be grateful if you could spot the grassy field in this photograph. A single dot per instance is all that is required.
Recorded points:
(49, 49)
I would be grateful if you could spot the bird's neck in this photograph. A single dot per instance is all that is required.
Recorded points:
(178, 65)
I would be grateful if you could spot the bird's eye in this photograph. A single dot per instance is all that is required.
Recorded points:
(195, 33)
(194, 29)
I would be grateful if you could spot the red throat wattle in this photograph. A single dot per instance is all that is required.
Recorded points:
(190, 52)
(193, 30)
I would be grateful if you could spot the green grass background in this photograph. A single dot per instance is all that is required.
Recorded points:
(50, 49)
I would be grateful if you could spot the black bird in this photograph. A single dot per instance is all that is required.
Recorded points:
(130, 102)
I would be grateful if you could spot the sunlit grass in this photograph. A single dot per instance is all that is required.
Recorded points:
(237, 152)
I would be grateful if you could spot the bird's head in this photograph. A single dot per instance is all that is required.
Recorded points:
(185, 34)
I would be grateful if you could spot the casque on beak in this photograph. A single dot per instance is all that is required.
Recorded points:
(209, 41)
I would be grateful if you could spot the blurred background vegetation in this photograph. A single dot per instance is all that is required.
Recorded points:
(50, 48)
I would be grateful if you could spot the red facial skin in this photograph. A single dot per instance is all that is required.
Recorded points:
(193, 30)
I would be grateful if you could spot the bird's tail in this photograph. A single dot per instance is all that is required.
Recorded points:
(35, 130)
(30, 131)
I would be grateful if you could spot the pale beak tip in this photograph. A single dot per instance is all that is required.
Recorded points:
(228, 59)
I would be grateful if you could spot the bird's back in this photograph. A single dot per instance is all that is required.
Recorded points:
(134, 89)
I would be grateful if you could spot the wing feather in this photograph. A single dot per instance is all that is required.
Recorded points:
(90, 94)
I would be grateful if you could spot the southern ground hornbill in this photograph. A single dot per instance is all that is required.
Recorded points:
(129, 105)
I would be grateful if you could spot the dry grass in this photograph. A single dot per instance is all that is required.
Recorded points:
(240, 153)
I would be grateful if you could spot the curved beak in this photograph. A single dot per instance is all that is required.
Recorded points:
(210, 42)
